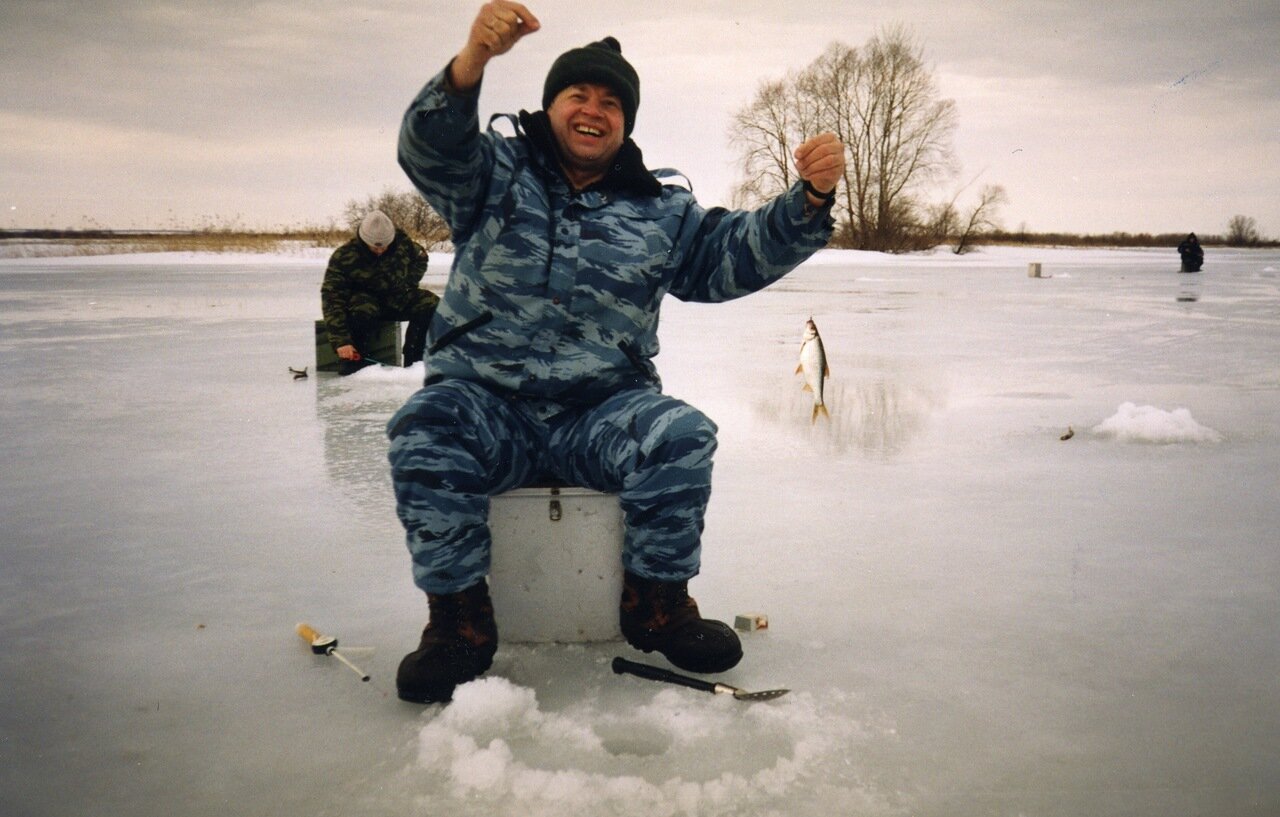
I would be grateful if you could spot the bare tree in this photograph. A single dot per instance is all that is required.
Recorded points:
(763, 132)
(883, 104)
(829, 92)
(909, 131)
(942, 222)
(1242, 231)
(981, 218)
(408, 210)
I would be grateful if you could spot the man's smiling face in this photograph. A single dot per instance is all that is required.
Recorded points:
(588, 124)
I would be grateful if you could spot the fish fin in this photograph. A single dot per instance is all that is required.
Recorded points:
(823, 409)
(826, 371)
(799, 368)
(806, 387)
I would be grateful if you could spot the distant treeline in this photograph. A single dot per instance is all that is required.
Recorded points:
(293, 234)
(244, 240)
(1118, 239)
(102, 241)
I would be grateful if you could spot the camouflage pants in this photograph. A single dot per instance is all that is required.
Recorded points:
(364, 312)
(455, 444)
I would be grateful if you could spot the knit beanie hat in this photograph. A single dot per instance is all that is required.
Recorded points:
(377, 230)
(599, 63)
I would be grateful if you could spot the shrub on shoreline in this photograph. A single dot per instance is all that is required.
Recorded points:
(60, 243)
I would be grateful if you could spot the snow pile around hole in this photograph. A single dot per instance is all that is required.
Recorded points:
(411, 375)
(494, 751)
(1134, 423)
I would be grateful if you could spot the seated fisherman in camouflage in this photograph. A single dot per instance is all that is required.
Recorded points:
(540, 357)
(375, 277)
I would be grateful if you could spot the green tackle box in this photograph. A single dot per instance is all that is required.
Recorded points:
(386, 347)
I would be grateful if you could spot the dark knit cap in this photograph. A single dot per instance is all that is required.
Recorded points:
(599, 63)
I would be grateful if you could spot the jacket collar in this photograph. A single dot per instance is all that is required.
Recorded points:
(628, 174)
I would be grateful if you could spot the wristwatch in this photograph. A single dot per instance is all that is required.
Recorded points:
(826, 197)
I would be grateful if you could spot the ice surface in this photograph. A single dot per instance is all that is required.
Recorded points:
(975, 616)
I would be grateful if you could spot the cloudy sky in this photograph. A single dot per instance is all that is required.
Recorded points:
(1095, 115)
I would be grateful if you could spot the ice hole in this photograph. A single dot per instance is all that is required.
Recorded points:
(634, 739)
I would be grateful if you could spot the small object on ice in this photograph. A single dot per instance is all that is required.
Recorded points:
(298, 374)
(1071, 432)
(621, 665)
(749, 622)
(327, 645)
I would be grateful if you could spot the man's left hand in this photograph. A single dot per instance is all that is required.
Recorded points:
(820, 161)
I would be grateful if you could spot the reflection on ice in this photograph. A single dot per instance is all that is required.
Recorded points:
(870, 413)
(353, 412)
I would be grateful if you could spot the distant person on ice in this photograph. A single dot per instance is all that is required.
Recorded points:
(540, 357)
(375, 277)
(1192, 254)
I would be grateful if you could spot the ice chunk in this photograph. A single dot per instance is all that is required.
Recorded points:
(1134, 423)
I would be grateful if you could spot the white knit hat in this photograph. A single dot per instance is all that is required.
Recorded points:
(377, 230)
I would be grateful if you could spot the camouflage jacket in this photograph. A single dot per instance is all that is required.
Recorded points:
(554, 294)
(355, 271)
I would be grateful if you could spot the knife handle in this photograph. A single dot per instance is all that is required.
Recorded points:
(621, 665)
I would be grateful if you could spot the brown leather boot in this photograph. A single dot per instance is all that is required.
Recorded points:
(457, 646)
(661, 616)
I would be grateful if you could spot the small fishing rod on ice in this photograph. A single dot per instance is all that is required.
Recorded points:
(327, 645)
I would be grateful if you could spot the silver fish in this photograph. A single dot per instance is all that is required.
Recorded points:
(813, 365)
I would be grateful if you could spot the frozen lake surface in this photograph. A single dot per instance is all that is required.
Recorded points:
(976, 617)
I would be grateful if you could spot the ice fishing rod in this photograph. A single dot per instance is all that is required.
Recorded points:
(327, 645)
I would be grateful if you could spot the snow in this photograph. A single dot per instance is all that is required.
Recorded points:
(974, 615)
(495, 746)
(1150, 424)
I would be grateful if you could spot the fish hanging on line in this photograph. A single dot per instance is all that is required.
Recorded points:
(813, 366)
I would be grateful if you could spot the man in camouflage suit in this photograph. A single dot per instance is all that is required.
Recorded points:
(375, 277)
(539, 364)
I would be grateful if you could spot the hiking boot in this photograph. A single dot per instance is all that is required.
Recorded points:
(457, 646)
(415, 340)
(660, 616)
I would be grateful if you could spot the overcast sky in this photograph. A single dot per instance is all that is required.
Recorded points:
(1095, 115)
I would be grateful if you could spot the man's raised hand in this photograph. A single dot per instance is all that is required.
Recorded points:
(498, 26)
(820, 161)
